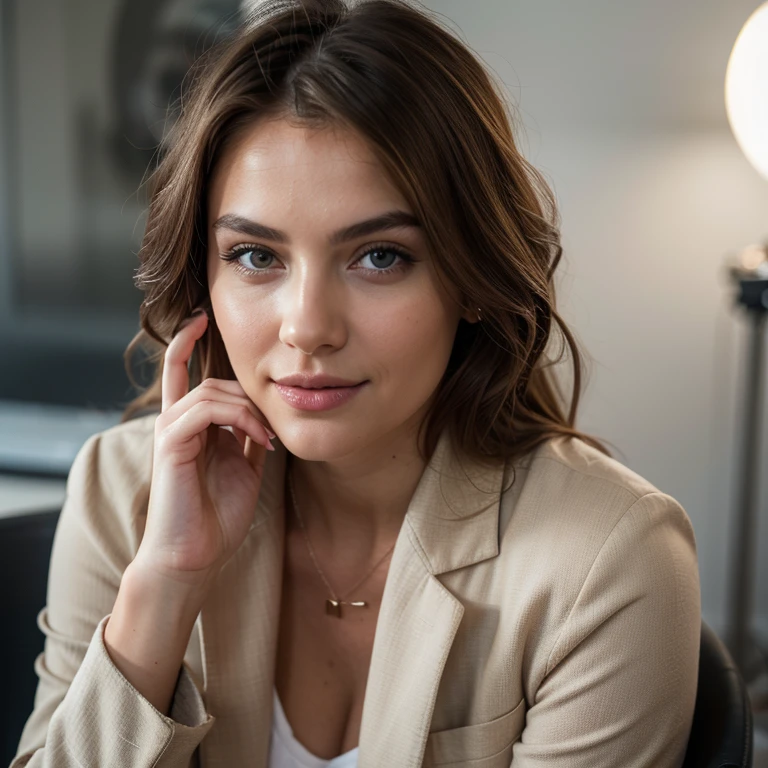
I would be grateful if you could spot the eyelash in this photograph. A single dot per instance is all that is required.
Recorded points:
(233, 254)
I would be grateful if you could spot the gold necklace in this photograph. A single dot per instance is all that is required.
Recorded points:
(332, 604)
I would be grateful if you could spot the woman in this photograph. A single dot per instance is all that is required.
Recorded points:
(432, 565)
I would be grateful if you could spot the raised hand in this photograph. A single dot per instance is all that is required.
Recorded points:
(205, 479)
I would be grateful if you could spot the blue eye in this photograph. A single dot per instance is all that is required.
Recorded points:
(256, 263)
(235, 253)
(387, 250)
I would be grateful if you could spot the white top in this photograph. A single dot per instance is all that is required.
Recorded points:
(286, 752)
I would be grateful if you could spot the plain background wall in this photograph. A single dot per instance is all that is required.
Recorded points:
(621, 106)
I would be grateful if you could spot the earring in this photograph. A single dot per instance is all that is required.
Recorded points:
(479, 315)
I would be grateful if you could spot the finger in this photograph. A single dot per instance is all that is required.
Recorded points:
(234, 387)
(207, 412)
(231, 386)
(210, 390)
(175, 379)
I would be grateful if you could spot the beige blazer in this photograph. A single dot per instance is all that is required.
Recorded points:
(554, 624)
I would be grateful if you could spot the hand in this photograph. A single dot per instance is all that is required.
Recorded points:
(205, 479)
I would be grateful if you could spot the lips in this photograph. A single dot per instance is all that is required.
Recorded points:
(316, 381)
(318, 399)
(313, 388)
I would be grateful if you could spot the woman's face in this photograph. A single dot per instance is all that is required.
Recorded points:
(304, 295)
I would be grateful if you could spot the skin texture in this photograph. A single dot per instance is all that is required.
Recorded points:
(315, 307)
(321, 308)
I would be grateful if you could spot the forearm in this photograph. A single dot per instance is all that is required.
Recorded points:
(148, 632)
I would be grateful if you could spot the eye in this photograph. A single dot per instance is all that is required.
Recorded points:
(383, 252)
(252, 259)
(234, 254)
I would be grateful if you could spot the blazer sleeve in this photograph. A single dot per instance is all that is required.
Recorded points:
(85, 711)
(621, 678)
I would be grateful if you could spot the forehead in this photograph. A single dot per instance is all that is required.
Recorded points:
(275, 164)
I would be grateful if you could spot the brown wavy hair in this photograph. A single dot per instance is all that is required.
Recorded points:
(442, 129)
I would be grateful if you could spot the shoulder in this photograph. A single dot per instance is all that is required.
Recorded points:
(582, 537)
(568, 498)
(119, 455)
(130, 432)
(108, 483)
(578, 465)
(569, 474)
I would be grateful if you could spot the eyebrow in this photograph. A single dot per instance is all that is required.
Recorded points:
(389, 220)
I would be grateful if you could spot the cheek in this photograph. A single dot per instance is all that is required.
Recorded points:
(243, 325)
(415, 342)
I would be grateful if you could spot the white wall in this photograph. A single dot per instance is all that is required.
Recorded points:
(621, 105)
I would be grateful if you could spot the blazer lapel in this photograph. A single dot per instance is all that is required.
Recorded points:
(417, 623)
(451, 522)
(238, 648)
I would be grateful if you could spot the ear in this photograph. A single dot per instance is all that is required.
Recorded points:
(470, 316)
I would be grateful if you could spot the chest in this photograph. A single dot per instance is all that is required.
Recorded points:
(430, 685)
(322, 660)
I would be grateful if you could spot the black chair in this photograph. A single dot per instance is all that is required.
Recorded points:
(721, 733)
(25, 552)
(722, 730)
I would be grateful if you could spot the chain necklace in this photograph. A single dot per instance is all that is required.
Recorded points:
(332, 604)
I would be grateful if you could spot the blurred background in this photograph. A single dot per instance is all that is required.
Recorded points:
(620, 104)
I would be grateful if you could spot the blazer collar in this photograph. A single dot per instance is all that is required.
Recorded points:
(451, 522)
(454, 512)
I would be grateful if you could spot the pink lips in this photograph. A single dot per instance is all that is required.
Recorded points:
(317, 399)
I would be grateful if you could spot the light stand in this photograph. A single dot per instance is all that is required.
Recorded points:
(753, 297)
(746, 86)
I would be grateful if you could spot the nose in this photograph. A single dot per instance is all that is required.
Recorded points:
(312, 311)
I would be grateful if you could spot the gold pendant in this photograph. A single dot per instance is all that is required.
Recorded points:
(333, 607)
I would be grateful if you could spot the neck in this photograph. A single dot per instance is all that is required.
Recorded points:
(353, 508)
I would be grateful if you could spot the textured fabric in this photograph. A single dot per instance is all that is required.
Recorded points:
(544, 614)
(285, 751)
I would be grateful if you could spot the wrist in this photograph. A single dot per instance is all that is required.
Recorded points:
(181, 595)
(181, 582)
(148, 632)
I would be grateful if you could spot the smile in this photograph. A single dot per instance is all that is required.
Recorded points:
(318, 399)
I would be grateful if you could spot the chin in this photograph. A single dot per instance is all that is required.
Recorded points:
(320, 442)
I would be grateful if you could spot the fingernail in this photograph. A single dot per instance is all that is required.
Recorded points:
(187, 320)
(269, 446)
(270, 433)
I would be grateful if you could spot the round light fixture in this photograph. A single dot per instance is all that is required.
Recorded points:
(746, 89)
